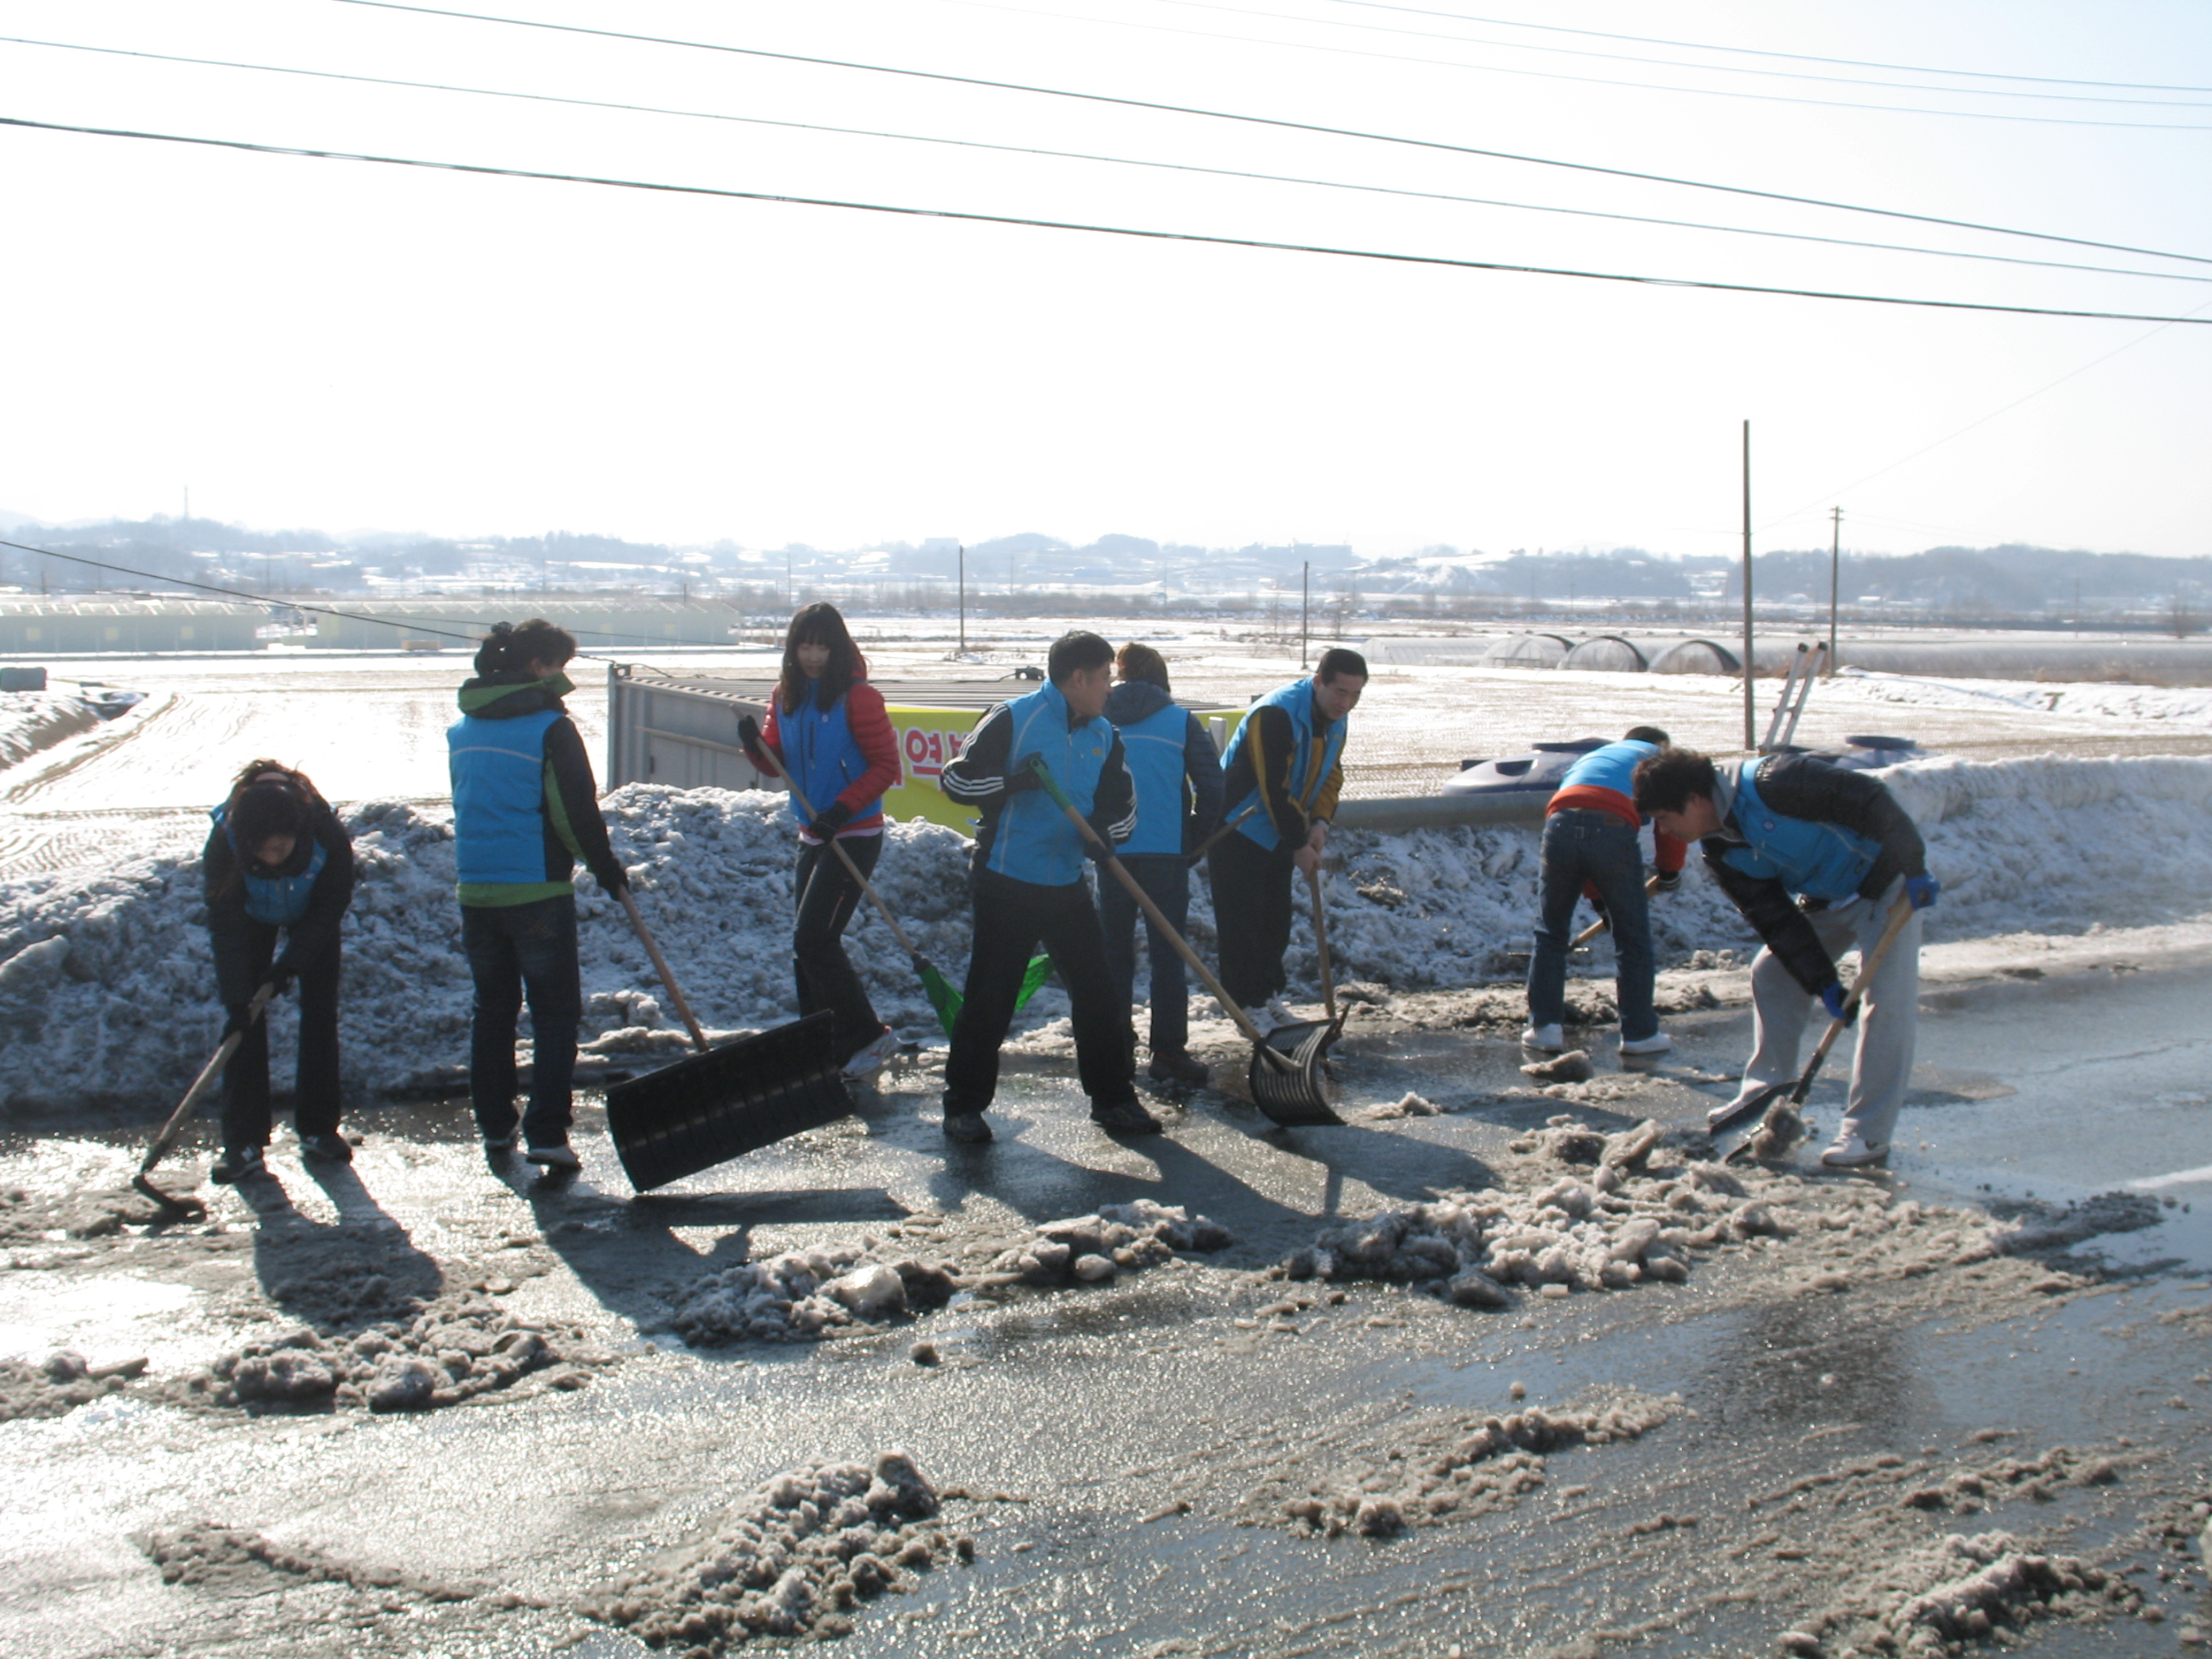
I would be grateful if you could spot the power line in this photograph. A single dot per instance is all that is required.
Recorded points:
(1266, 121)
(1195, 237)
(1603, 81)
(1754, 51)
(1111, 160)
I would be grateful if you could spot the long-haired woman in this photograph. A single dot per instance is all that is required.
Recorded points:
(827, 729)
(277, 860)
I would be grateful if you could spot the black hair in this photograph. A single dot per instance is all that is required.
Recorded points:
(1665, 782)
(1338, 661)
(511, 648)
(819, 624)
(1074, 652)
(1648, 734)
(267, 798)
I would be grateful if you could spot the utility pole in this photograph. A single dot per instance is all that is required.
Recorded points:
(2077, 607)
(1835, 571)
(1305, 608)
(964, 599)
(1750, 696)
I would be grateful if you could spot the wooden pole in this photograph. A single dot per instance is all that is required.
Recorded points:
(1750, 698)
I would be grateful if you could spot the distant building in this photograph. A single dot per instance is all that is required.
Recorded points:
(127, 627)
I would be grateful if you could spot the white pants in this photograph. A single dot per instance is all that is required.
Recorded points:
(1888, 1023)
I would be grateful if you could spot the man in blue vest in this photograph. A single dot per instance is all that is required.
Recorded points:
(525, 809)
(1287, 759)
(1177, 774)
(1815, 856)
(1590, 831)
(1025, 878)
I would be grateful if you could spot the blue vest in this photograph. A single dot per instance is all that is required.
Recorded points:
(1816, 861)
(1153, 750)
(1613, 767)
(1309, 766)
(1034, 841)
(499, 796)
(820, 753)
(280, 901)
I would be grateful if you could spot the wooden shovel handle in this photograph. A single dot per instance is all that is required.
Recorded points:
(837, 846)
(1321, 938)
(1606, 921)
(660, 966)
(204, 1082)
(1899, 914)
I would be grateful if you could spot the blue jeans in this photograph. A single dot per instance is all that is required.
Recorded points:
(1165, 879)
(1581, 846)
(514, 951)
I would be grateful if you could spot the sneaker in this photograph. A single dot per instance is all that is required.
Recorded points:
(1178, 1066)
(236, 1164)
(326, 1149)
(559, 1155)
(1545, 1039)
(1658, 1043)
(873, 1058)
(1128, 1116)
(967, 1126)
(1849, 1152)
(497, 1147)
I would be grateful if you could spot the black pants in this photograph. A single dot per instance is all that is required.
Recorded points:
(515, 951)
(1166, 881)
(246, 1080)
(826, 896)
(1012, 919)
(1252, 888)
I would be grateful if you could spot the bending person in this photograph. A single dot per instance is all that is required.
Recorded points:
(827, 728)
(1287, 756)
(1815, 856)
(525, 809)
(1177, 773)
(277, 860)
(1025, 878)
(1590, 846)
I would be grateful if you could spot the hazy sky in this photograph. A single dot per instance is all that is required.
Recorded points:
(323, 342)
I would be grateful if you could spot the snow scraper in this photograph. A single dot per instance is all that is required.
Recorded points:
(1739, 1128)
(943, 997)
(184, 1204)
(718, 1103)
(1285, 1070)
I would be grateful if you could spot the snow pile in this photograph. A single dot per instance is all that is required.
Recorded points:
(1958, 1591)
(60, 1383)
(457, 1347)
(1484, 1466)
(1967, 1491)
(792, 1561)
(803, 1296)
(807, 1295)
(31, 720)
(235, 1561)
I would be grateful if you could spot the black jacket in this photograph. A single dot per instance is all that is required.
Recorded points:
(1809, 789)
(306, 941)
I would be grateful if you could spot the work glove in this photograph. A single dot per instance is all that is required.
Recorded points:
(1019, 779)
(239, 1023)
(1921, 890)
(1100, 850)
(614, 880)
(749, 732)
(1835, 1001)
(280, 978)
(829, 820)
(1669, 880)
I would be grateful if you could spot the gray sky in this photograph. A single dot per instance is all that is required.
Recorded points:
(325, 343)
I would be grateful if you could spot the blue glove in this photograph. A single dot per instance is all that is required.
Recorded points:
(1921, 890)
(1833, 999)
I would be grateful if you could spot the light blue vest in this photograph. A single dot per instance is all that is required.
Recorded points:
(1035, 842)
(280, 901)
(1816, 861)
(1613, 767)
(499, 796)
(1310, 765)
(1153, 750)
(819, 750)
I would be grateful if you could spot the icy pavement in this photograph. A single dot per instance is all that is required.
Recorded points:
(1896, 1405)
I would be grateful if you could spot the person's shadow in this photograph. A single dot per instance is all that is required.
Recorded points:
(337, 1278)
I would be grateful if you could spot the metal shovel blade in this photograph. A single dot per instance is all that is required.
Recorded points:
(709, 1108)
(1735, 1129)
(1287, 1075)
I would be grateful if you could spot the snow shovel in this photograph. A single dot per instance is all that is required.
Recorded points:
(1739, 1126)
(186, 1204)
(718, 1103)
(942, 998)
(1284, 1072)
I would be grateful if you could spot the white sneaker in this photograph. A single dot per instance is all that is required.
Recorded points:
(1849, 1152)
(1545, 1039)
(1658, 1043)
(873, 1058)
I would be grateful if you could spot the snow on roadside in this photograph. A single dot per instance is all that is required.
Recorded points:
(31, 720)
(106, 992)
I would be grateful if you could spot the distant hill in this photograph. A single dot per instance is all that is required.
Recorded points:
(2014, 579)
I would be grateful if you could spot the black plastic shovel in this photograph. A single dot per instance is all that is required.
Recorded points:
(719, 1103)
(1284, 1072)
